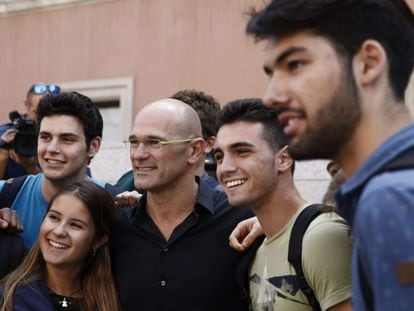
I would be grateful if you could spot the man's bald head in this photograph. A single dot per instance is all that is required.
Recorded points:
(159, 168)
(179, 118)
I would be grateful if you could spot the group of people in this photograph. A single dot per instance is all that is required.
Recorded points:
(337, 73)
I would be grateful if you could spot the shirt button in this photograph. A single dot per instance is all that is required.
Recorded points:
(163, 283)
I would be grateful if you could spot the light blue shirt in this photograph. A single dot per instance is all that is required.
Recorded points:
(380, 209)
(31, 206)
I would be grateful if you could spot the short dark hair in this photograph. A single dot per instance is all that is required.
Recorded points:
(253, 110)
(75, 105)
(346, 24)
(206, 107)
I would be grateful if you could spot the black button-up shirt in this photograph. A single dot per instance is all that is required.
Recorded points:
(193, 270)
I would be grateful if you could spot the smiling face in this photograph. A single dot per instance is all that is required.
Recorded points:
(246, 165)
(315, 93)
(67, 234)
(157, 169)
(62, 151)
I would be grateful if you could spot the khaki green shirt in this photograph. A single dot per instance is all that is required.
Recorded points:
(326, 262)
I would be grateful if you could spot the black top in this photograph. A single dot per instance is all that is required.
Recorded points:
(194, 270)
(34, 296)
(12, 252)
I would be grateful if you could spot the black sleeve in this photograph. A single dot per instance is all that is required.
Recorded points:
(12, 252)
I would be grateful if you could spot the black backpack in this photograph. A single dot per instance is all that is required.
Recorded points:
(294, 256)
(299, 228)
(12, 187)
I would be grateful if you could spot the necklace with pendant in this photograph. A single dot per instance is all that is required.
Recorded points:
(63, 301)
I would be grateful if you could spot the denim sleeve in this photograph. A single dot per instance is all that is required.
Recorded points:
(384, 233)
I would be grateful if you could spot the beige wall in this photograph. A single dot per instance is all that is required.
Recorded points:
(164, 45)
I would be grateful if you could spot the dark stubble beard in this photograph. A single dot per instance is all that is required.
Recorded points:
(334, 124)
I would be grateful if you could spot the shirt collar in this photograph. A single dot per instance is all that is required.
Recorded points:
(348, 195)
(204, 200)
(205, 196)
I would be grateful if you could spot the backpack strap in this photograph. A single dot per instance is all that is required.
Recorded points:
(295, 250)
(10, 190)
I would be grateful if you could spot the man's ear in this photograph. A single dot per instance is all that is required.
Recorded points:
(369, 63)
(284, 161)
(197, 150)
(210, 144)
(94, 146)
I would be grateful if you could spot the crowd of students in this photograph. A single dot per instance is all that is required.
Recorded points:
(337, 73)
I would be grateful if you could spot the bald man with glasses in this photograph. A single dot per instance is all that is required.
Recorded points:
(170, 251)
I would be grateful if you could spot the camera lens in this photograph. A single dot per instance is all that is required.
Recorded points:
(25, 144)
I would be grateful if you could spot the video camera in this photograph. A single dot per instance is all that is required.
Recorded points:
(25, 141)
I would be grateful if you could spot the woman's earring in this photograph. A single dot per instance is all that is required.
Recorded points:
(93, 252)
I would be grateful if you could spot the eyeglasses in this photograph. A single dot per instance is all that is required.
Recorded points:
(154, 143)
(41, 88)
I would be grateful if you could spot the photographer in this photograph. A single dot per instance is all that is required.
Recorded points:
(18, 139)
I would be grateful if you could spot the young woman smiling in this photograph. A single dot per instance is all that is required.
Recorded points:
(69, 267)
